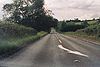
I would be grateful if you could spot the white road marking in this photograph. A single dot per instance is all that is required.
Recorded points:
(76, 61)
(72, 52)
(60, 41)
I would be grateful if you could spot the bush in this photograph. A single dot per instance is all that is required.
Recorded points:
(92, 30)
(8, 47)
(70, 27)
(13, 37)
(14, 30)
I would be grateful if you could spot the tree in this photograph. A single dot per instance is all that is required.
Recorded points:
(31, 13)
(98, 21)
(85, 23)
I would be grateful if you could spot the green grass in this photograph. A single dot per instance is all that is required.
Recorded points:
(8, 30)
(10, 46)
(92, 22)
(13, 37)
(83, 36)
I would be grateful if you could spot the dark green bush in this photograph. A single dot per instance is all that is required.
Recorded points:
(14, 37)
(92, 30)
(70, 27)
(14, 30)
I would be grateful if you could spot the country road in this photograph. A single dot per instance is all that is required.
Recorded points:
(56, 50)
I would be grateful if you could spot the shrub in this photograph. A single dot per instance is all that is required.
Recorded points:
(70, 27)
(14, 30)
(92, 30)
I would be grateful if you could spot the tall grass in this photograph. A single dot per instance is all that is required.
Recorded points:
(13, 37)
(83, 36)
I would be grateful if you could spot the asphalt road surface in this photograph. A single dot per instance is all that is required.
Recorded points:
(56, 50)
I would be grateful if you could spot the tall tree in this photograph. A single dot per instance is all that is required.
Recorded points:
(30, 13)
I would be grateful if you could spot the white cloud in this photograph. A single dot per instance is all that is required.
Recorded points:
(67, 9)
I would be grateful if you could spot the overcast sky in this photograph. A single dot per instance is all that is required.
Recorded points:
(69, 9)
(2, 2)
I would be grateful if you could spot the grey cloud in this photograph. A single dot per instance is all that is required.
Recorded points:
(63, 4)
(64, 9)
(95, 15)
(81, 5)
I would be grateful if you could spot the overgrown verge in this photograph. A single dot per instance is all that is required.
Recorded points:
(93, 30)
(83, 35)
(8, 47)
(13, 37)
(90, 30)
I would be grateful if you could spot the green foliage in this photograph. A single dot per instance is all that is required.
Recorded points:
(30, 13)
(12, 45)
(8, 29)
(92, 22)
(89, 29)
(82, 35)
(93, 30)
(13, 37)
(71, 26)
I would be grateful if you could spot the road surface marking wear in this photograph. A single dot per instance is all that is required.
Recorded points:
(72, 52)
(59, 39)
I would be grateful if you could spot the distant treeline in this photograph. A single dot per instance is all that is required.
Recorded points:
(66, 26)
(90, 27)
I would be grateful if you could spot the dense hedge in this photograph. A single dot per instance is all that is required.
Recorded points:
(70, 27)
(12, 45)
(14, 30)
(13, 37)
(92, 30)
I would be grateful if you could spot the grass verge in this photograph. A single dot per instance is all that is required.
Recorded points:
(83, 36)
(12, 45)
